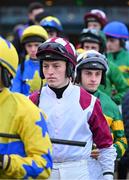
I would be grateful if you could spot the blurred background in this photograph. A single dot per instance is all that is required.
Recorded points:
(69, 12)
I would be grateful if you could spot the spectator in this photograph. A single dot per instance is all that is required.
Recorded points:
(34, 9)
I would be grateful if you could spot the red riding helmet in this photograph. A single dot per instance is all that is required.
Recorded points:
(58, 49)
(96, 15)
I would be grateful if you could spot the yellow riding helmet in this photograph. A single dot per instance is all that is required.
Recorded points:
(34, 33)
(8, 56)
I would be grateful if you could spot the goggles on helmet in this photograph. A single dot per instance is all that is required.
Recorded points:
(91, 57)
(48, 48)
(86, 30)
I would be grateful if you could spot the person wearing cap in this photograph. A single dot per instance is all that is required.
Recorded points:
(117, 34)
(52, 25)
(25, 146)
(116, 85)
(73, 114)
(27, 78)
(95, 19)
(90, 73)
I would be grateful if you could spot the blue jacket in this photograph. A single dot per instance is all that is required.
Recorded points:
(29, 80)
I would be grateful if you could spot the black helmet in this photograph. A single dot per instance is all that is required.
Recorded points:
(94, 36)
(91, 59)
